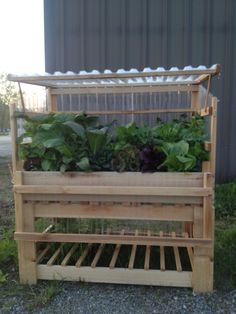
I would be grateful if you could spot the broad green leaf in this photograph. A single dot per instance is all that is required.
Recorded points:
(53, 142)
(46, 164)
(77, 128)
(86, 121)
(46, 126)
(84, 164)
(188, 161)
(67, 160)
(63, 167)
(65, 150)
(179, 148)
(97, 140)
(64, 116)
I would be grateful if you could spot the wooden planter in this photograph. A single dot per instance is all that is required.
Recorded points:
(158, 196)
(178, 197)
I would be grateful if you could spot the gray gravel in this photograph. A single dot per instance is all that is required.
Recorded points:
(105, 299)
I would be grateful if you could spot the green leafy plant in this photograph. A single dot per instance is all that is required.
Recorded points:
(70, 142)
(125, 158)
(225, 200)
(8, 252)
(178, 157)
(64, 142)
(225, 256)
(3, 277)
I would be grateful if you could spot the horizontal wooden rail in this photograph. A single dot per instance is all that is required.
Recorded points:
(112, 239)
(112, 211)
(117, 275)
(203, 112)
(123, 89)
(128, 112)
(113, 190)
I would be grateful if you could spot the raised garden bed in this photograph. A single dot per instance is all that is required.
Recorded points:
(162, 196)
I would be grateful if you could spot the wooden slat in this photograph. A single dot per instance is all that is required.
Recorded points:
(84, 254)
(176, 254)
(162, 255)
(108, 190)
(112, 239)
(157, 179)
(117, 275)
(147, 254)
(54, 257)
(125, 112)
(70, 90)
(133, 253)
(114, 198)
(97, 255)
(190, 250)
(48, 228)
(43, 253)
(69, 254)
(198, 222)
(114, 211)
(116, 252)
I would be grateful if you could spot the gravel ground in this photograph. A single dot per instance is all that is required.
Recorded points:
(105, 299)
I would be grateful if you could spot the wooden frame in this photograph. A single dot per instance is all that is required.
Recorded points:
(179, 197)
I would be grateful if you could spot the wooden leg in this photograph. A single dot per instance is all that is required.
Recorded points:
(202, 280)
(26, 249)
(27, 262)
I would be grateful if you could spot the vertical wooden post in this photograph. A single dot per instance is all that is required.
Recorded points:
(198, 222)
(203, 258)
(195, 100)
(195, 104)
(213, 133)
(13, 124)
(51, 101)
(202, 279)
(26, 249)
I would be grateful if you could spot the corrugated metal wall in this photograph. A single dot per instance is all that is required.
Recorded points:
(102, 34)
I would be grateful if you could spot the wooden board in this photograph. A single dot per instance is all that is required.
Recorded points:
(135, 179)
(116, 275)
(112, 239)
(113, 211)
(110, 190)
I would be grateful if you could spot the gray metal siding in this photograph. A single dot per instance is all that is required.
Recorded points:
(113, 34)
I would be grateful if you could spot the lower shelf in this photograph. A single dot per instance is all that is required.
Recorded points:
(117, 263)
(116, 275)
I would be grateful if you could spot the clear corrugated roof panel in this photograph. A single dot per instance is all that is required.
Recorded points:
(148, 77)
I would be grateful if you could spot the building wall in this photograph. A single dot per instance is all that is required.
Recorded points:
(113, 34)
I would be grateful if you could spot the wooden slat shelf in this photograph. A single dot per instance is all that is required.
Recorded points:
(52, 268)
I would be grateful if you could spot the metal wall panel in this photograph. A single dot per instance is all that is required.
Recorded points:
(113, 34)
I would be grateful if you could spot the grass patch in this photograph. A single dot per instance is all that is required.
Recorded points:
(25, 297)
(225, 257)
(225, 200)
